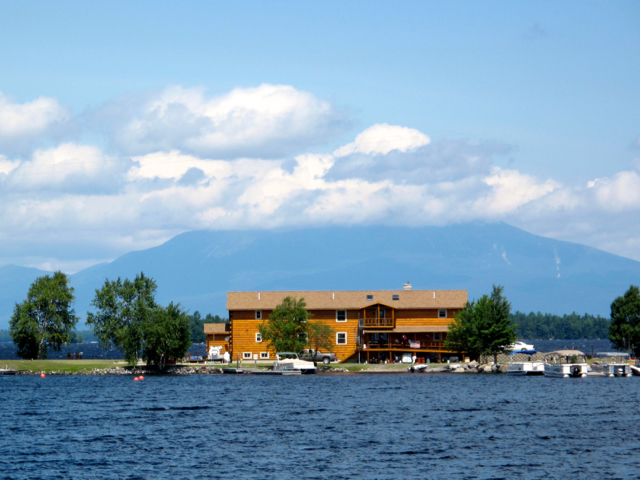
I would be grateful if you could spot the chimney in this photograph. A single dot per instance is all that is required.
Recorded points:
(406, 286)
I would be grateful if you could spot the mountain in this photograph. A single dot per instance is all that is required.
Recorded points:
(198, 268)
(14, 284)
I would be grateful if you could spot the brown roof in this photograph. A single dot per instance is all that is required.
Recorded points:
(210, 328)
(350, 300)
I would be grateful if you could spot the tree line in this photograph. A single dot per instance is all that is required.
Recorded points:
(535, 326)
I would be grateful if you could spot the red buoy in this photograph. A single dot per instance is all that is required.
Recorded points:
(141, 377)
(135, 379)
(42, 375)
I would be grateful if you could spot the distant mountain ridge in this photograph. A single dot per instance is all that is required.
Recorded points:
(198, 268)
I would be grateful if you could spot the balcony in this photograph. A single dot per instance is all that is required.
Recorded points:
(381, 323)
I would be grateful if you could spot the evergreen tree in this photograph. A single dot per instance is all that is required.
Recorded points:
(499, 333)
(624, 332)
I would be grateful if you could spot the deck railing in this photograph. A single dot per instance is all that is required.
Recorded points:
(373, 345)
(378, 322)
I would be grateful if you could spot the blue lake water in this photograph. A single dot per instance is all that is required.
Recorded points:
(319, 427)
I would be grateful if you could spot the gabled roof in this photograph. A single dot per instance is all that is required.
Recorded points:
(350, 300)
(211, 328)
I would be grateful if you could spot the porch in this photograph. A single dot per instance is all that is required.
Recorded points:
(426, 343)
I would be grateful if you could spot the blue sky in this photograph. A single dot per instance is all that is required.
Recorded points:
(544, 92)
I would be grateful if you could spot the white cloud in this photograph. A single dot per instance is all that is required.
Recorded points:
(68, 167)
(509, 190)
(21, 123)
(265, 121)
(619, 193)
(382, 138)
(239, 161)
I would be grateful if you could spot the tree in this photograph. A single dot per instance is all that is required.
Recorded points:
(464, 334)
(498, 333)
(45, 319)
(123, 310)
(196, 323)
(286, 328)
(167, 335)
(483, 327)
(624, 331)
(320, 335)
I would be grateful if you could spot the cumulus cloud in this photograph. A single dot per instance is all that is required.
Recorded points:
(21, 123)
(180, 161)
(266, 121)
(68, 168)
(383, 138)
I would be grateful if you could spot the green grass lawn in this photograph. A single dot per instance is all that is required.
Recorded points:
(60, 365)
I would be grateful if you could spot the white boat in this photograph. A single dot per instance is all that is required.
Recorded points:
(525, 368)
(566, 363)
(610, 369)
(289, 362)
(521, 347)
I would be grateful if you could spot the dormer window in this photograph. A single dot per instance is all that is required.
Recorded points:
(369, 297)
(396, 297)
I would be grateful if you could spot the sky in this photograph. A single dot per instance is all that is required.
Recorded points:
(123, 124)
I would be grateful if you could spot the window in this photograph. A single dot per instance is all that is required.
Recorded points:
(436, 337)
(369, 297)
(341, 315)
(246, 355)
(258, 314)
(396, 297)
(264, 355)
(383, 313)
(341, 338)
(442, 313)
(258, 338)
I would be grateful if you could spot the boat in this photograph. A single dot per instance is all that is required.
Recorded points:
(566, 363)
(290, 362)
(525, 368)
(610, 369)
(7, 371)
(521, 347)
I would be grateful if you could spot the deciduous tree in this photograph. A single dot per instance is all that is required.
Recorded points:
(45, 319)
(167, 335)
(320, 335)
(286, 327)
(123, 307)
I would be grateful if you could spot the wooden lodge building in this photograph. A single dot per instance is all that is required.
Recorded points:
(371, 326)
(218, 335)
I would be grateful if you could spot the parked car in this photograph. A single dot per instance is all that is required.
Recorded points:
(326, 358)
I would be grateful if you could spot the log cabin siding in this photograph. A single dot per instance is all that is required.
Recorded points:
(244, 330)
(415, 309)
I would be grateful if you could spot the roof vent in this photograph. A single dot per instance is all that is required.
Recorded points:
(406, 286)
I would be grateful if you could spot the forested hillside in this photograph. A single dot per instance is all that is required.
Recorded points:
(545, 326)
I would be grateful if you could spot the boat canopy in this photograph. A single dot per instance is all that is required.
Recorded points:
(565, 353)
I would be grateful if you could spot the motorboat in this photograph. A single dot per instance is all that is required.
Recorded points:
(610, 369)
(521, 347)
(566, 363)
(525, 368)
(289, 362)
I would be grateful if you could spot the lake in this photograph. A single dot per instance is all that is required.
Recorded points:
(319, 427)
